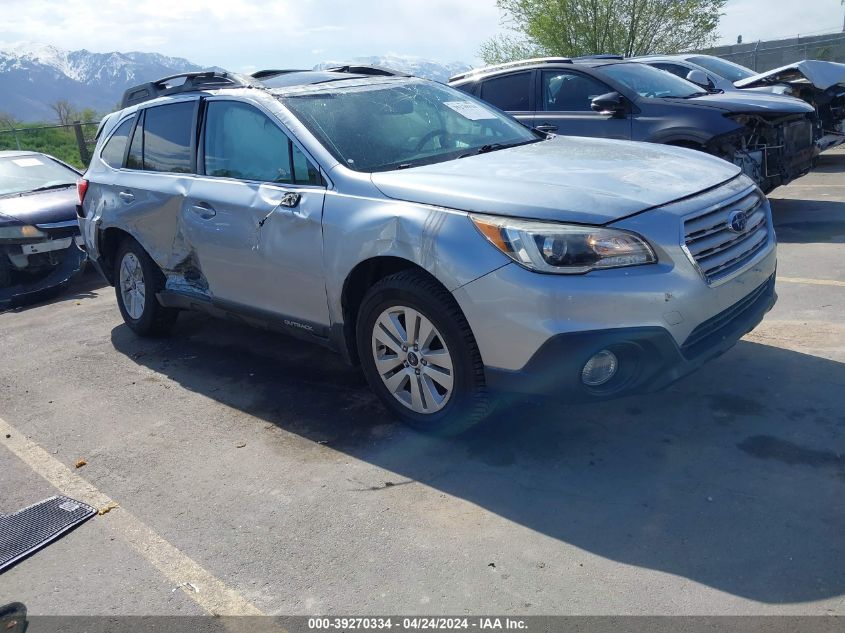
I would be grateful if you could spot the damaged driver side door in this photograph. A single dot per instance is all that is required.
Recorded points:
(252, 218)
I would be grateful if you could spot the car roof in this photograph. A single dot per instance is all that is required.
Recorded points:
(214, 81)
(307, 78)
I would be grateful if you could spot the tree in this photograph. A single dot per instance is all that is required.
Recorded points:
(588, 27)
(88, 115)
(64, 112)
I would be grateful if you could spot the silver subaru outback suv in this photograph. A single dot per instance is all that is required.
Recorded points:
(425, 235)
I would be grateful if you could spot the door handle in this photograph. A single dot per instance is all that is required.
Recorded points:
(546, 127)
(204, 210)
(290, 200)
(126, 196)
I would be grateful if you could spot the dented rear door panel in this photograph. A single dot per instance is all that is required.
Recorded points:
(147, 205)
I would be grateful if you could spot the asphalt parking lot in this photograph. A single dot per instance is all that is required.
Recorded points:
(257, 474)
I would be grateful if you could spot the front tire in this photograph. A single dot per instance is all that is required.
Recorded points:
(419, 354)
(137, 279)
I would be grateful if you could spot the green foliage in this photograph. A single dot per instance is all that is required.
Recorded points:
(58, 142)
(588, 27)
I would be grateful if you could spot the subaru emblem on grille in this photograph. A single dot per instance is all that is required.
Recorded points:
(737, 221)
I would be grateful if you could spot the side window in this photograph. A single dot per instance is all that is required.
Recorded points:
(509, 93)
(242, 142)
(565, 91)
(304, 173)
(675, 69)
(135, 158)
(115, 147)
(167, 137)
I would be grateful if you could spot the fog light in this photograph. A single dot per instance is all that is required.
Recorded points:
(599, 369)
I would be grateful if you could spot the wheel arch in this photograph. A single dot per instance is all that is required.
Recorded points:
(359, 280)
(108, 241)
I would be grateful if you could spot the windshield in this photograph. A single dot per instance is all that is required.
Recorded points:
(722, 67)
(648, 81)
(27, 172)
(397, 124)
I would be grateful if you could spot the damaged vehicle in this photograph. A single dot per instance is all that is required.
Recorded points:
(451, 252)
(40, 243)
(819, 83)
(770, 137)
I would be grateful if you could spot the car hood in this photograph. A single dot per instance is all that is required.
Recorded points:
(758, 102)
(821, 74)
(43, 207)
(572, 179)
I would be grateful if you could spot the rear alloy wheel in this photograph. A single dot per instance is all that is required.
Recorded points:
(132, 286)
(419, 355)
(137, 279)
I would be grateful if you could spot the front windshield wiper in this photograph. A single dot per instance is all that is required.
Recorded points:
(48, 187)
(492, 147)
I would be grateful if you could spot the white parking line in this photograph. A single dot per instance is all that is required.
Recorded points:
(814, 282)
(210, 593)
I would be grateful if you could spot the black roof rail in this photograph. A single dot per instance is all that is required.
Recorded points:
(363, 69)
(207, 79)
(353, 69)
(272, 72)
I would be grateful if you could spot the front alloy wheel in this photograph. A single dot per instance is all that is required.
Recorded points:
(419, 354)
(412, 359)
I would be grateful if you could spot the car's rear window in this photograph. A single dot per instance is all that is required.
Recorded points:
(115, 147)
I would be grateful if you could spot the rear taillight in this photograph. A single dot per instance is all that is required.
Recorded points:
(81, 189)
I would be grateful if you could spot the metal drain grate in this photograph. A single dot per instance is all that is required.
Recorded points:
(28, 530)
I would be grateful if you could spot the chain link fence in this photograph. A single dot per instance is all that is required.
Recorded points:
(762, 56)
(72, 143)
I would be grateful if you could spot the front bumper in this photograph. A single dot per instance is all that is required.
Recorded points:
(42, 286)
(649, 357)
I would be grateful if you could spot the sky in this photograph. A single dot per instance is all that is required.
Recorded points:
(243, 35)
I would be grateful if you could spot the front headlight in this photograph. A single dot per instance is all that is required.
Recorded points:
(563, 248)
(20, 232)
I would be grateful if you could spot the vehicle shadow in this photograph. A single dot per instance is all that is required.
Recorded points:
(799, 221)
(734, 477)
(830, 162)
(802, 220)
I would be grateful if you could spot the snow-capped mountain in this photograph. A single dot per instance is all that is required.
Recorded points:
(32, 76)
(418, 66)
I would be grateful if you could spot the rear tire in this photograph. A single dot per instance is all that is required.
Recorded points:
(419, 355)
(137, 280)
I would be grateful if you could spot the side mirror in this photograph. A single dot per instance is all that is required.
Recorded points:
(700, 78)
(610, 103)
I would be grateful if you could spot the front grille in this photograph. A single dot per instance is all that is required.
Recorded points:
(702, 337)
(719, 250)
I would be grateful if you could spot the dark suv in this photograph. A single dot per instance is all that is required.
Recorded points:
(769, 136)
